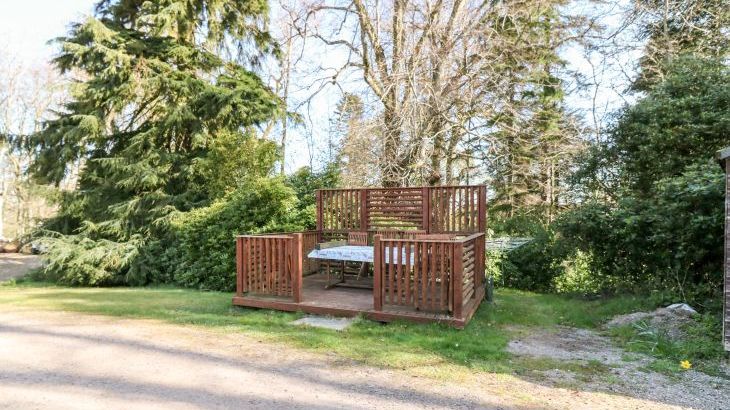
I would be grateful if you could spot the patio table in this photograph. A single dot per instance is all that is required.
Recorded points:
(350, 253)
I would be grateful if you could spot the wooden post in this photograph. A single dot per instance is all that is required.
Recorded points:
(239, 266)
(318, 194)
(457, 280)
(480, 246)
(482, 209)
(726, 293)
(363, 210)
(378, 275)
(297, 260)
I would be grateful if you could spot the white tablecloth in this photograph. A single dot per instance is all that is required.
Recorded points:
(353, 253)
(344, 253)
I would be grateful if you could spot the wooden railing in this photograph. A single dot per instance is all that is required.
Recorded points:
(457, 209)
(412, 272)
(270, 265)
(469, 264)
(428, 274)
(309, 240)
(442, 209)
(434, 274)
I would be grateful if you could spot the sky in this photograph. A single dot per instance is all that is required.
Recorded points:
(26, 26)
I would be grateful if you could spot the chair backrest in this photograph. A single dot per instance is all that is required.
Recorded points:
(395, 234)
(389, 234)
(435, 236)
(412, 234)
(357, 238)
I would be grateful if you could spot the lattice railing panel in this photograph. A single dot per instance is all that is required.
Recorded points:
(448, 209)
(400, 208)
(456, 209)
(270, 264)
(415, 273)
(339, 210)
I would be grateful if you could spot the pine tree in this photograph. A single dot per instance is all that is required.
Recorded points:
(533, 132)
(161, 85)
(673, 28)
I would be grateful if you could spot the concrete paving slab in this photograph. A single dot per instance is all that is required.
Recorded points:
(325, 322)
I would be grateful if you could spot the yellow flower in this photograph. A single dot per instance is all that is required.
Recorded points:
(685, 364)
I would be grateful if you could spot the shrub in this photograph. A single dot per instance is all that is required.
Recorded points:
(199, 250)
(532, 266)
(671, 241)
(304, 182)
(669, 244)
(81, 261)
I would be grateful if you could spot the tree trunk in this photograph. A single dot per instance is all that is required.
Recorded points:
(392, 172)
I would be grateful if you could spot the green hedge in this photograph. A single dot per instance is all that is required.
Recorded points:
(199, 250)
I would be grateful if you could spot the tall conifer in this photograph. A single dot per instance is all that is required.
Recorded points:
(158, 84)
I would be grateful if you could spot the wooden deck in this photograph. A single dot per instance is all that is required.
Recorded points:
(428, 262)
(350, 302)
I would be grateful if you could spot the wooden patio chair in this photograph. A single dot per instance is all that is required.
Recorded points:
(435, 236)
(357, 239)
(399, 234)
(412, 234)
(389, 234)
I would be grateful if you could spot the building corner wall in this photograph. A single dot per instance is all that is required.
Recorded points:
(726, 290)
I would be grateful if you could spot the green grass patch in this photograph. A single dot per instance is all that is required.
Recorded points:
(480, 346)
(701, 345)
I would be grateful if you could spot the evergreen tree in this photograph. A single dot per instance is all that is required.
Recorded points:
(534, 138)
(158, 94)
(674, 28)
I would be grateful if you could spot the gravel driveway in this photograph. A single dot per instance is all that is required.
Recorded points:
(65, 360)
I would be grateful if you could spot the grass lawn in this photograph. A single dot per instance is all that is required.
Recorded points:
(432, 349)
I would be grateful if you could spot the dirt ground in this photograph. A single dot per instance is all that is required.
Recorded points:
(15, 265)
(64, 360)
(629, 375)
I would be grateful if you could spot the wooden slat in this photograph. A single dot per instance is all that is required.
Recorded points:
(239, 266)
(399, 270)
(390, 272)
(408, 290)
(457, 281)
(423, 280)
(432, 274)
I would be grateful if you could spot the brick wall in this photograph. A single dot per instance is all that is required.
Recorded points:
(726, 324)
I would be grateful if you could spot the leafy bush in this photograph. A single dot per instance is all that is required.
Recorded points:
(578, 278)
(196, 249)
(305, 182)
(532, 266)
(671, 241)
(199, 250)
